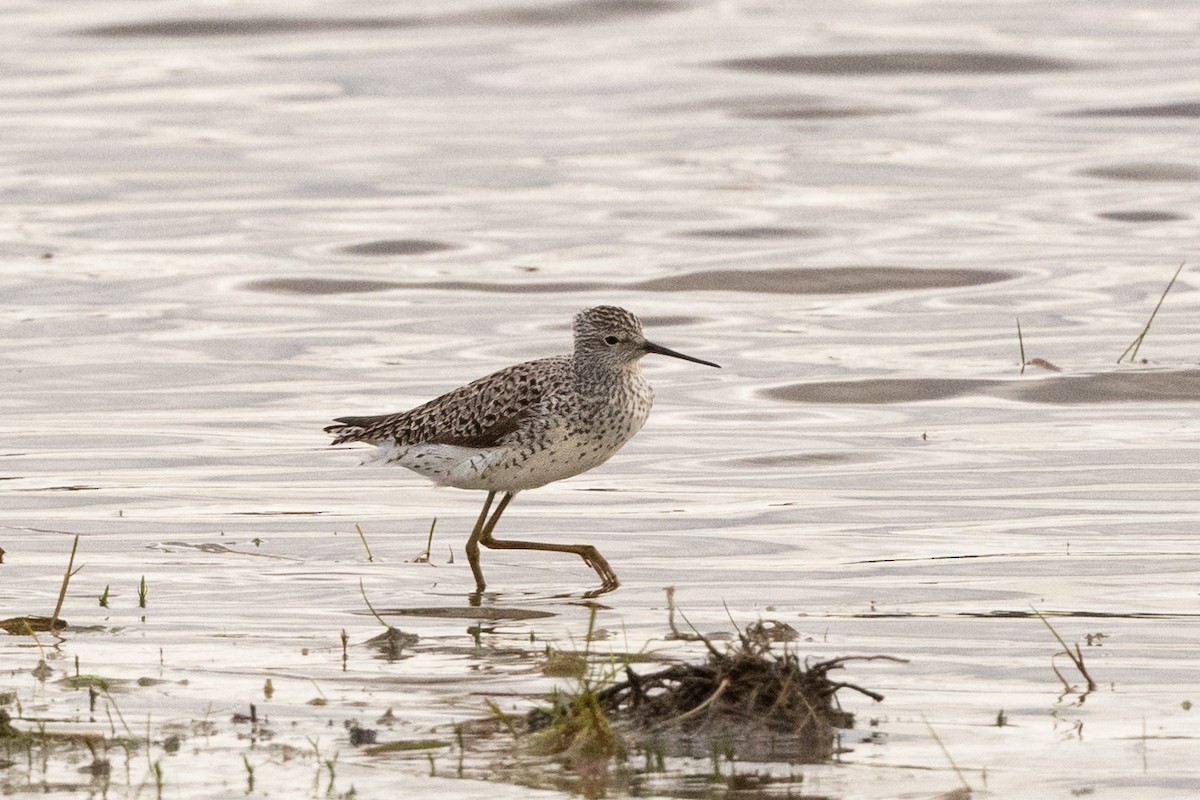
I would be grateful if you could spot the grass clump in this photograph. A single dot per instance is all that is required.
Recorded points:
(763, 704)
(753, 699)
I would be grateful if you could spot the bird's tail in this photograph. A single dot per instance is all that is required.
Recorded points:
(348, 429)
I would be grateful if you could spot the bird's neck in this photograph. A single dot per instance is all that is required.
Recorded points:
(608, 380)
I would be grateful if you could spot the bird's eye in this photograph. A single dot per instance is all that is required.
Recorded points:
(611, 340)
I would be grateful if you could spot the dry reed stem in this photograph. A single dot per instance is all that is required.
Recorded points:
(1021, 344)
(946, 753)
(62, 593)
(1076, 657)
(1136, 344)
(363, 536)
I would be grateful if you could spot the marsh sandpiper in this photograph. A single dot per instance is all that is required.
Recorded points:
(525, 426)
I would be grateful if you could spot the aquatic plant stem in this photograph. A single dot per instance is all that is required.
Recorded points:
(1076, 657)
(1136, 344)
(62, 593)
(370, 607)
(429, 544)
(112, 704)
(941, 745)
(1021, 344)
(363, 536)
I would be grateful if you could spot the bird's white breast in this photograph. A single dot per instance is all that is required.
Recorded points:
(566, 448)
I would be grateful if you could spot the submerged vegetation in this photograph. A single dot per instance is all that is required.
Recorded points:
(751, 700)
(738, 715)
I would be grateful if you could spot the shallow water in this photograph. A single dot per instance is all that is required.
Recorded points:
(221, 231)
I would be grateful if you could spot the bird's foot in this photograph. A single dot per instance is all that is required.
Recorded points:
(609, 584)
(608, 578)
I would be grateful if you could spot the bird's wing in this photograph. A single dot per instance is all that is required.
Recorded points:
(481, 414)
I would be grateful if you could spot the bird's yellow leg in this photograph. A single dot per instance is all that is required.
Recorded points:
(472, 547)
(590, 555)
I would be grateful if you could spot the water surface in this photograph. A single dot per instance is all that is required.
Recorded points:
(223, 230)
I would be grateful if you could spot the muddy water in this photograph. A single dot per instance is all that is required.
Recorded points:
(222, 230)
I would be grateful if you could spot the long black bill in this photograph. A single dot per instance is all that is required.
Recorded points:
(651, 347)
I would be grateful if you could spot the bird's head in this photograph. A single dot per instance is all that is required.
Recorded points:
(612, 335)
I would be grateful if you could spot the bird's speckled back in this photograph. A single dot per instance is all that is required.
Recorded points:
(527, 424)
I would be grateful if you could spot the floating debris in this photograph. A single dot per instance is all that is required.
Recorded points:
(26, 626)
(764, 705)
(391, 643)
